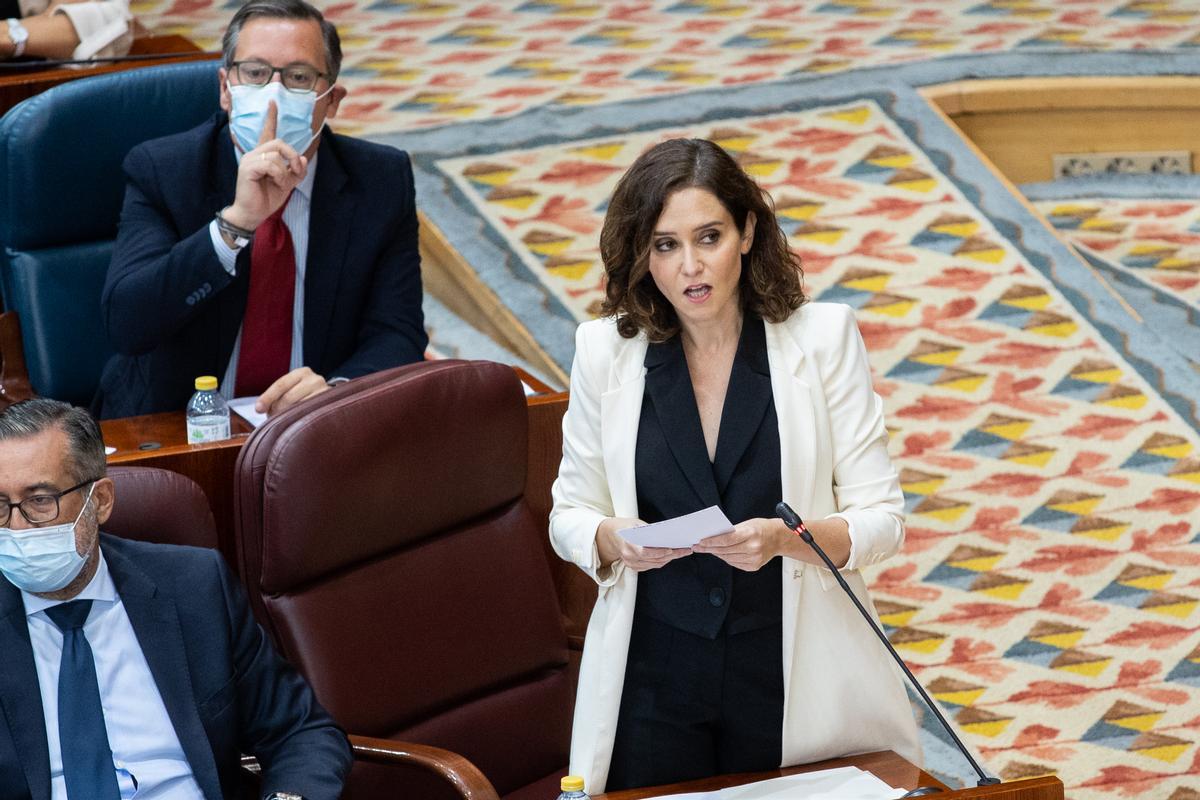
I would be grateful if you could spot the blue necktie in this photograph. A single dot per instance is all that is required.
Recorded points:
(87, 760)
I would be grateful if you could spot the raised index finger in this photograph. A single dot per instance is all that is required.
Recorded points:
(268, 131)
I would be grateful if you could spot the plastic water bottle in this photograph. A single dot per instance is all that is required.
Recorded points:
(207, 413)
(572, 788)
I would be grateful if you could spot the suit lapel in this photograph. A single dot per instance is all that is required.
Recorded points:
(20, 695)
(797, 415)
(746, 401)
(331, 212)
(669, 386)
(155, 622)
(232, 304)
(620, 412)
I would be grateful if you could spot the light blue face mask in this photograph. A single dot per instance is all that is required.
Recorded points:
(42, 559)
(250, 105)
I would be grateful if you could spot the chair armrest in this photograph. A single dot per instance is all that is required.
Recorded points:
(466, 778)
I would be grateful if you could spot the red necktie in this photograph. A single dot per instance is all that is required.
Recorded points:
(266, 352)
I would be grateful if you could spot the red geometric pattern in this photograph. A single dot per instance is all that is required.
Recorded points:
(1156, 240)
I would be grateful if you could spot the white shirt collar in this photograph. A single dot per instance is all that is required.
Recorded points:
(305, 186)
(100, 587)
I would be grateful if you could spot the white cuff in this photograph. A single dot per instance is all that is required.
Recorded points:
(227, 255)
(103, 28)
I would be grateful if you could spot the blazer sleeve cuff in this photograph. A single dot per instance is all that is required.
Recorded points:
(102, 27)
(573, 535)
(867, 546)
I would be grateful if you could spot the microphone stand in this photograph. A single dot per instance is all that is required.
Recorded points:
(792, 520)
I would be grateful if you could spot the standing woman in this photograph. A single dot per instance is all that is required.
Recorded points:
(711, 381)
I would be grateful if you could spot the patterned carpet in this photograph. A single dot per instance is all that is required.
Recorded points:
(1146, 243)
(1157, 239)
(420, 63)
(1049, 440)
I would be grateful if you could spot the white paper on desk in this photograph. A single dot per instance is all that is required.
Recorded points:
(843, 783)
(244, 408)
(682, 531)
(108, 451)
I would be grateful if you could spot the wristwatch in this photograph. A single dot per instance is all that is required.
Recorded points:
(240, 236)
(19, 36)
(283, 796)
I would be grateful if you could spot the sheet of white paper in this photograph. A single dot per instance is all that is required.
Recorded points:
(244, 408)
(682, 531)
(108, 451)
(843, 783)
(529, 390)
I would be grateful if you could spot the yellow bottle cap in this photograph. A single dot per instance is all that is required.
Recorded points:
(206, 383)
(571, 783)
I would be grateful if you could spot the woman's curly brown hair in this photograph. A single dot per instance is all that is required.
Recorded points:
(771, 284)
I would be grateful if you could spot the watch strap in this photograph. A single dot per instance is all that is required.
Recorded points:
(241, 236)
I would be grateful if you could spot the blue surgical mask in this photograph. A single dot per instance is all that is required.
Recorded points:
(250, 105)
(41, 560)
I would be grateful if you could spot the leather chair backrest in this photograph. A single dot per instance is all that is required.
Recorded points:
(14, 379)
(61, 188)
(387, 546)
(157, 505)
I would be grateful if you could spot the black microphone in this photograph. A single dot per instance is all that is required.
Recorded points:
(793, 521)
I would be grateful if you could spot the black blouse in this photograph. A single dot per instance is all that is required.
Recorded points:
(700, 593)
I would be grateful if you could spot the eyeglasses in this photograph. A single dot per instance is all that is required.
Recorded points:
(295, 77)
(39, 508)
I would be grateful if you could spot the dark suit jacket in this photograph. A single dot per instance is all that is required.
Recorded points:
(171, 310)
(225, 689)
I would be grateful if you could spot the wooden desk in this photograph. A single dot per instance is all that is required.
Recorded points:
(17, 84)
(888, 767)
(160, 440)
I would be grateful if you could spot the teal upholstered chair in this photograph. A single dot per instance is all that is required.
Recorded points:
(61, 188)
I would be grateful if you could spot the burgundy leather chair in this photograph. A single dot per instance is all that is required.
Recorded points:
(388, 549)
(14, 378)
(157, 505)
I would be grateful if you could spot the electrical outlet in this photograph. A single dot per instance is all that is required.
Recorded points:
(1168, 162)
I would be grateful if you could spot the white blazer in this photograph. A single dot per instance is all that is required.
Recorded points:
(842, 693)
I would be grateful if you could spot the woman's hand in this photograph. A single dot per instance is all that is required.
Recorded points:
(749, 545)
(613, 547)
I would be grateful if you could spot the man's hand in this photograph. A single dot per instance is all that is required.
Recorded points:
(749, 545)
(613, 547)
(299, 384)
(266, 176)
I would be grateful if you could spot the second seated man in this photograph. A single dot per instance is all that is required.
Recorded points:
(259, 247)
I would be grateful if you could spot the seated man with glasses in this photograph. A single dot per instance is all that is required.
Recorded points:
(259, 247)
(130, 667)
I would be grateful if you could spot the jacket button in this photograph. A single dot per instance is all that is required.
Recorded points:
(716, 596)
